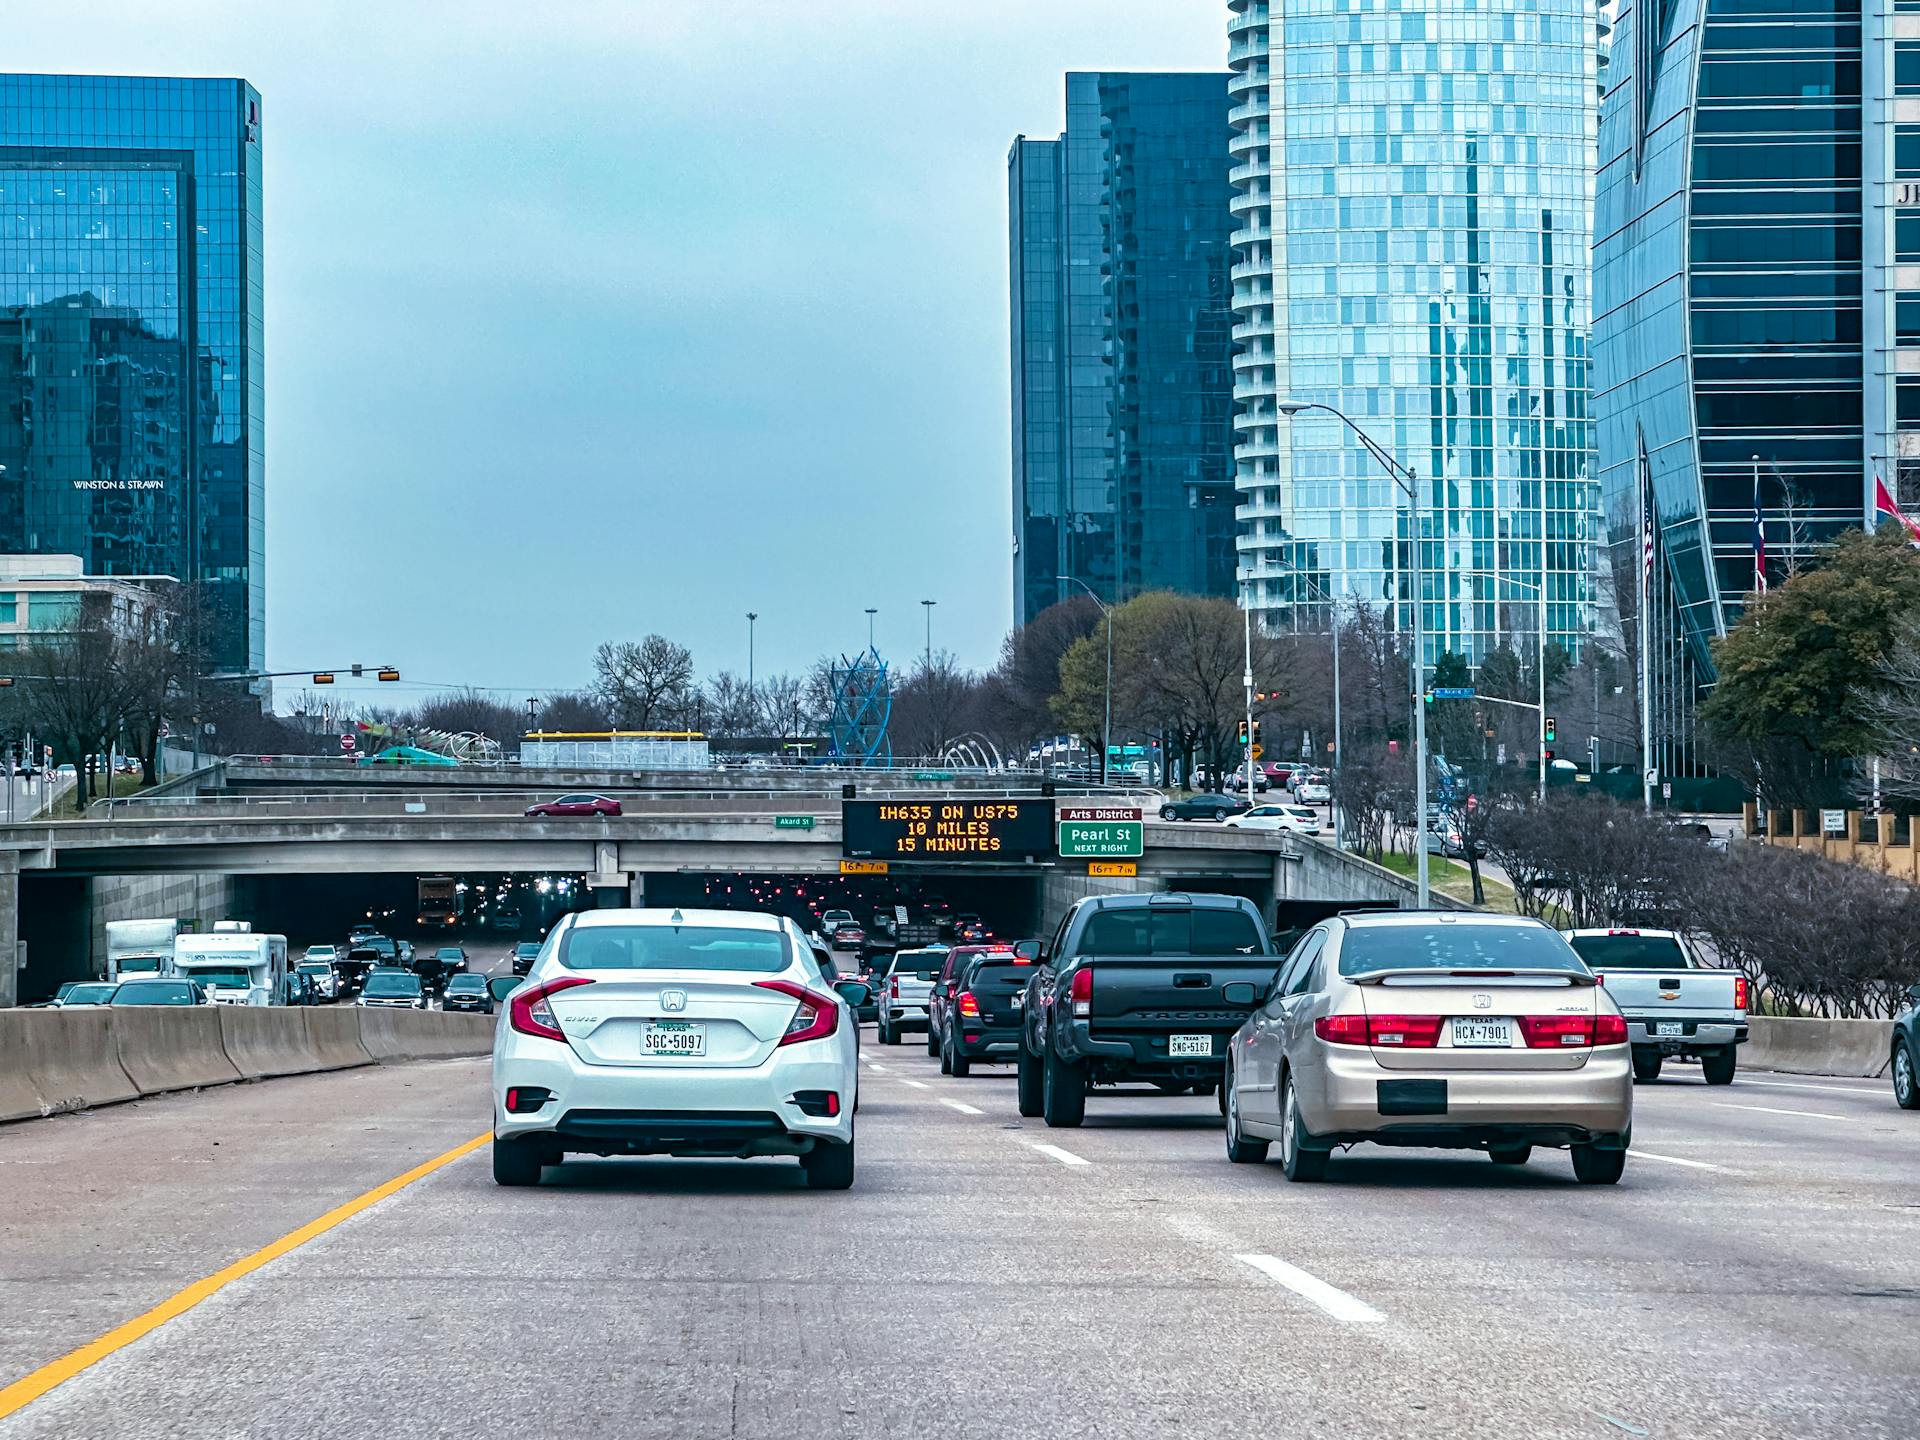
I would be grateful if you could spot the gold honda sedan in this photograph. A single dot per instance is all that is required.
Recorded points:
(1423, 1028)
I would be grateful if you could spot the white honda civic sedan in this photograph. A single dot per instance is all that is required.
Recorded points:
(668, 1032)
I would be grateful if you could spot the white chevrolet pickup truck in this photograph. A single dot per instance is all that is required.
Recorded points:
(1673, 1006)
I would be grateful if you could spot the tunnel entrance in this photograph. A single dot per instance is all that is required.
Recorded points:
(1007, 907)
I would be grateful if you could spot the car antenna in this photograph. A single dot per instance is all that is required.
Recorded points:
(676, 918)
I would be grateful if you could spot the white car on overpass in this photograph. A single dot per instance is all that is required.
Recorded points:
(1294, 819)
(670, 1032)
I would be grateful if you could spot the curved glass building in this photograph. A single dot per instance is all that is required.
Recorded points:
(1413, 204)
(1747, 261)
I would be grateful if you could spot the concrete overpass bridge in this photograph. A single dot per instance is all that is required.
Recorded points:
(59, 880)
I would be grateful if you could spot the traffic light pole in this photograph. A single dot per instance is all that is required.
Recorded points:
(1246, 680)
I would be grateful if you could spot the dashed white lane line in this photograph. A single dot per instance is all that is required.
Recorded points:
(1676, 1160)
(914, 1083)
(1772, 1110)
(1817, 1089)
(1054, 1152)
(877, 1069)
(962, 1107)
(1348, 1309)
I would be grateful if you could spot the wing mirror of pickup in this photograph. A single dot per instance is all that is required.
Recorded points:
(1240, 992)
(1031, 951)
(1913, 993)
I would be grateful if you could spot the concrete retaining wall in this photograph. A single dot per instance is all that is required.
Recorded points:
(60, 1060)
(1817, 1047)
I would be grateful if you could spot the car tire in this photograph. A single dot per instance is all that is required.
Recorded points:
(957, 1064)
(1298, 1156)
(1031, 1084)
(1063, 1093)
(1719, 1066)
(1167, 813)
(946, 1060)
(1646, 1065)
(518, 1162)
(1906, 1077)
(1241, 1150)
(884, 1033)
(829, 1165)
(1594, 1166)
(1510, 1154)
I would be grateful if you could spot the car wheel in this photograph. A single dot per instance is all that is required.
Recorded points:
(933, 1043)
(881, 1033)
(946, 1059)
(1646, 1064)
(1594, 1166)
(1032, 1085)
(1298, 1158)
(1510, 1154)
(1718, 1067)
(829, 1165)
(1906, 1080)
(958, 1064)
(1063, 1099)
(1240, 1149)
(1167, 813)
(518, 1162)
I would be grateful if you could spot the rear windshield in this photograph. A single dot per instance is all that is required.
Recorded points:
(1000, 975)
(1170, 931)
(1630, 952)
(1455, 947)
(921, 964)
(673, 947)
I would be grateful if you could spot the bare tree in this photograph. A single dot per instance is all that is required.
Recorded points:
(644, 686)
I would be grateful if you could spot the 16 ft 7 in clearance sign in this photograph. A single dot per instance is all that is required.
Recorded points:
(1014, 830)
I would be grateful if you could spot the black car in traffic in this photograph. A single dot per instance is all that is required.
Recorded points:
(468, 993)
(1203, 807)
(984, 1017)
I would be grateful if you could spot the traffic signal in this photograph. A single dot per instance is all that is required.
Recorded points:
(1550, 730)
(1549, 756)
(323, 677)
(1242, 733)
(389, 674)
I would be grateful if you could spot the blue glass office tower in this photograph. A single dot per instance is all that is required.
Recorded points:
(1121, 321)
(1413, 205)
(131, 410)
(1756, 259)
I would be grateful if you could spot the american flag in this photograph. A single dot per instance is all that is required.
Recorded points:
(1759, 539)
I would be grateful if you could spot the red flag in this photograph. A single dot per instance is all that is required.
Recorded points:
(1883, 506)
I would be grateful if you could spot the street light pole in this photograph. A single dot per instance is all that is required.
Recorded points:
(871, 612)
(928, 605)
(752, 615)
(1246, 681)
(1106, 727)
(1404, 477)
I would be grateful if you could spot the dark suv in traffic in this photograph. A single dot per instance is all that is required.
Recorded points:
(984, 1017)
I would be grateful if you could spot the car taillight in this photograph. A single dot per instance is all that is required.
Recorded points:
(1552, 1032)
(816, 1018)
(1081, 992)
(1342, 1029)
(893, 987)
(1609, 1030)
(1406, 1032)
(1739, 992)
(530, 1014)
(969, 1007)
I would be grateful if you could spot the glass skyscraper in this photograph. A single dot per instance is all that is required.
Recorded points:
(1413, 208)
(1757, 293)
(131, 410)
(1121, 321)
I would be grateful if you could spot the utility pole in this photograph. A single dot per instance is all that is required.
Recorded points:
(1246, 681)
(871, 612)
(533, 706)
(1106, 726)
(928, 605)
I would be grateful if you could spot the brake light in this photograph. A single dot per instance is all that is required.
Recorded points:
(530, 1014)
(1739, 992)
(1080, 992)
(1342, 1029)
(816, 1017)
(1552, 1032)
(969, 1007)
(1409, 1032)
(1610, 1030)
(893, 987)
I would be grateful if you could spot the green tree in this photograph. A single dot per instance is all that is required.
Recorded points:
(1790, 704)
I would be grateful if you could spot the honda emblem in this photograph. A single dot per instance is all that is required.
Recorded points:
(1483, 1002)
(673, 999)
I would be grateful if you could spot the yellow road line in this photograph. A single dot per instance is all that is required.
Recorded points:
(25, 1391)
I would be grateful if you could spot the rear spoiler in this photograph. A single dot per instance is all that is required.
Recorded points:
(1427, 972)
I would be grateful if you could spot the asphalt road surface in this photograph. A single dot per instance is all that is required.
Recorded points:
(1754, 1275)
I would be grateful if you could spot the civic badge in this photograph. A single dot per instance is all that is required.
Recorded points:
(1483, 1002)
(673, 999)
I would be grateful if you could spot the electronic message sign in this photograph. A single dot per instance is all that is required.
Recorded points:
(947, 829)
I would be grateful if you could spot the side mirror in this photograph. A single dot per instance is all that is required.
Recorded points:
(1031, 951)
(502, 986)
(1240, 992)
(1913, 993)
(855, 992)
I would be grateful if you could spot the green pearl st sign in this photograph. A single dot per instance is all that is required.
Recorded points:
(1101, 832)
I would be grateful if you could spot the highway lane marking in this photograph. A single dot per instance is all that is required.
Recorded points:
(877, 1069)
(1065, 1157)
(28, 1388)
(1773, 1110)
(918, 1085)
(1348, 1309)
(1818, 1089)
(962, 1107)
(1676, 1160)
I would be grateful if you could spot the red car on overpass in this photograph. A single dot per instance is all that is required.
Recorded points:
(575, 805)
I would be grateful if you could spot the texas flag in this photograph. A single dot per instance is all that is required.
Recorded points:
(1883, 506)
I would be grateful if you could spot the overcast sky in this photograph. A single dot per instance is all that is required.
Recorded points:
(591, 319)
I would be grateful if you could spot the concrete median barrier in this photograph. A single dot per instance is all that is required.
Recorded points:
(165, 1048)
(333, 1035)
(267, 1040)
(1817, 1047)
(74, 1062)
(19, 1099)
(394, 1036)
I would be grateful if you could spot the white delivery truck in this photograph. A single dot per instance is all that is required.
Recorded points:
(239, 969)
(138, 949)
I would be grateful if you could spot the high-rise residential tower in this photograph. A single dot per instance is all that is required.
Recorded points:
(1413, 203)
(1122, 426)
(1757, 296)
(131, 410)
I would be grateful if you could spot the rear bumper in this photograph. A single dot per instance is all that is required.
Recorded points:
(1362, 1100)
(1142, 1055)
(1695, 1033)
(650, 1110)
(977, 1042)
(904, 1017)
